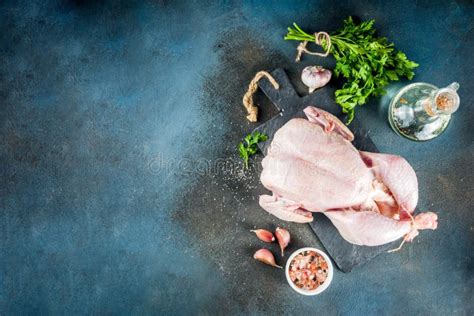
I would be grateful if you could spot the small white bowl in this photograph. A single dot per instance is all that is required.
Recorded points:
(320, 288)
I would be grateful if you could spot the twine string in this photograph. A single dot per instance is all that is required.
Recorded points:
(252, 110)
(318, 39)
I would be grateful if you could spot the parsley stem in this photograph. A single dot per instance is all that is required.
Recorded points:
(368, 62)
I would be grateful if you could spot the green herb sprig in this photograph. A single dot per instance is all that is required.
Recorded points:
(368, 62)
(249, 146)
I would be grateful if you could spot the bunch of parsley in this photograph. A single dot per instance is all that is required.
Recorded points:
(368, 62)
(249, 146)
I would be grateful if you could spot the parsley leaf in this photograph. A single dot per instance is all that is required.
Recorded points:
(249, 146)
(368, 62)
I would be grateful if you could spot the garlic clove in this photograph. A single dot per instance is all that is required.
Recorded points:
(264, 235)
(315, 77)
(265, 256)
(283, 237)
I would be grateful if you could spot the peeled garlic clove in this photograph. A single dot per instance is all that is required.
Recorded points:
(264, 235)
(315, 77)
(283, 237)
(265, 256)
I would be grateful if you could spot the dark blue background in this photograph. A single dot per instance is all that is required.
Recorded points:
(112, 115)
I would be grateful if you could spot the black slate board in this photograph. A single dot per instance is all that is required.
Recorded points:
(291, 105)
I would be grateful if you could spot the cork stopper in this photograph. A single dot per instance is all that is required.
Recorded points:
(447, 100)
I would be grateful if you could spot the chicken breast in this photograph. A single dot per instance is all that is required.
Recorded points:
(319, 170)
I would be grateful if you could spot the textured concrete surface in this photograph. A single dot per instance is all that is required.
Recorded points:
(117, 117)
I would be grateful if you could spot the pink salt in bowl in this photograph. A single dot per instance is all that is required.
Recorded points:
(309, 271)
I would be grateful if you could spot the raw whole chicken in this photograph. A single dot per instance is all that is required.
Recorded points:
(311, 166)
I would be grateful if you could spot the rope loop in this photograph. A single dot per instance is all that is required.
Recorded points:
(252, 110)
(318, 39)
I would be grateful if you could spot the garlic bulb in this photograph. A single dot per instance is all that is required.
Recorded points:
(315, 77)
(265, 256)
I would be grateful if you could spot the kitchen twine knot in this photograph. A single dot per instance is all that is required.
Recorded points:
(252, 110)
(405, 238)
(318, 39)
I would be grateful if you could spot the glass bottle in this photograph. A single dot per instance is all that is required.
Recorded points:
(421, 111)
